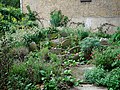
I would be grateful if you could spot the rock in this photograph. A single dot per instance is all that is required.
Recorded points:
(104, 41)
(66, 43)
(52, 36)
(60, 28)
(57, 50)
(63, 34)
(33, 46)
(56, 42)
(75, 49)
(76, 56)
(88, 87)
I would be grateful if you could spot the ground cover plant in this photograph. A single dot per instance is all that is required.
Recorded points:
(107, 71)
(35, 58)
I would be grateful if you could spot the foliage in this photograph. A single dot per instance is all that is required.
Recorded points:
(108, 58)
(102, 34)
(12, 19)
(57, 19)
(70, 63)
(5, 64)
(50, 30)
(101, 77)
(112, 80)
(26, 69)
(36, 37)
(116, 36)
(18, 82)
(13, 3)
(87, 45)
(95, 75)
(31, 14)
(37, 70)
(82, 34)
(8, 16)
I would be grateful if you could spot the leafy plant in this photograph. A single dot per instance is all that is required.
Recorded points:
(19, 82)
(95, 75)
(116, 36)
(57, 19)
(82, 34)
(112, 80)
(36, 37)
(101, 77)
(32, 14)
(70, 63)
(87, 45)
(108, 58)
(9, 17)
(13, 3)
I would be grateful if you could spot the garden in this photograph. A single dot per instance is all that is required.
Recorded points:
(34, 57)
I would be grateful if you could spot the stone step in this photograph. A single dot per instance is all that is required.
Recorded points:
(88, 87)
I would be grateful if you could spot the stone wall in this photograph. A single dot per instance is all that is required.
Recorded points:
(108, 10)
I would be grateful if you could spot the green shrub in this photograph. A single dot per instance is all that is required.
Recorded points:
(83, 34)
(87, 45)
(31, 14)
(57, 19)
(36, 37)
(95, 75)
(50, 30)
(116, 36)
(108, 58)
(112, 80)
(101, 77)
(18, 82)
(8, 17)
(102, 35)
(12, 20)
(13, 3)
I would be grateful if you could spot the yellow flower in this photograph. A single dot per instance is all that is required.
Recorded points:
(14, 19)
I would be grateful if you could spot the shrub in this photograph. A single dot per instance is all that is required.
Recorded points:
(95, 75)
(102, 35)
(108, 58)
(19, 82)
(57, 19)
(112, 80)
(8, 17)
(19, 53)
(5, 64)
(12, 18)
(13, 3)
(36, 37)
(32, 14)
(116, 36)
(101, 77)
(81, 33)
(87, 45)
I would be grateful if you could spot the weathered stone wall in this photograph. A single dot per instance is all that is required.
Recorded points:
(74, 9)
